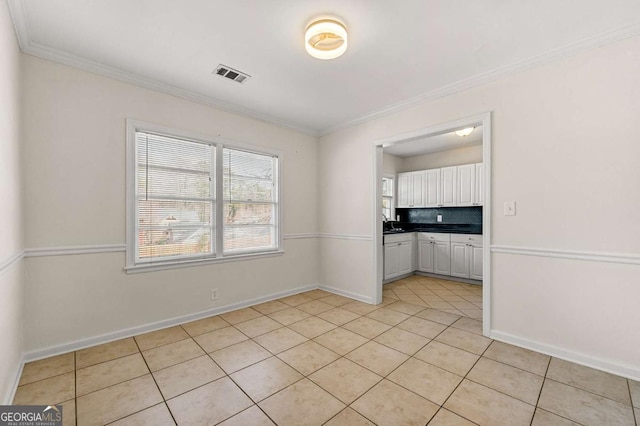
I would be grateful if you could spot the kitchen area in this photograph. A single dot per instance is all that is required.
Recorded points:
(432, 207)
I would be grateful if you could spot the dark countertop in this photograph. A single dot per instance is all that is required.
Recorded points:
(445, 228)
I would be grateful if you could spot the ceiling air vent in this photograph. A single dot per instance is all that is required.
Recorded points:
(231, 74)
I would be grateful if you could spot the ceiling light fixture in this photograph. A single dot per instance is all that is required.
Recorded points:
(465, 132)
(325, 39)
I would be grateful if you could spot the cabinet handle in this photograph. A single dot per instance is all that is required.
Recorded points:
(399, 244)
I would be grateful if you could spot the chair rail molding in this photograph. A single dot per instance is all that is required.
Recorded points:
(594, 256)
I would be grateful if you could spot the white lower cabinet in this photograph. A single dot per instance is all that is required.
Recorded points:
(466, 256)
(398, 255)
(434, 253)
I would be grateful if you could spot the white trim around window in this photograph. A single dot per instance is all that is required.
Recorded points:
(212, 222)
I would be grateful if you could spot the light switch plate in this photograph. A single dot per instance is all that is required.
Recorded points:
(439, 218)
(509, 208)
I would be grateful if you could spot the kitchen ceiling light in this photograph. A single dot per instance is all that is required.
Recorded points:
(465, 132)
(325, 39)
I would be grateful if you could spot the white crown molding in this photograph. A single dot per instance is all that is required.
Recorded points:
(629, 371)
(6, 264)
(27, 46)
(553, 55)
(593, 256)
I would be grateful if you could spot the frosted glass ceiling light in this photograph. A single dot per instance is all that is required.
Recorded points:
(465, 132)
(325, 39)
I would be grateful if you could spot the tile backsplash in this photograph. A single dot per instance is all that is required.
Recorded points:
(457, 215)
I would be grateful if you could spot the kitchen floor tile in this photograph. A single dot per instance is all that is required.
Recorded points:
(270, 307)
(582, 406)
(53, 390)
(468, 324)
(173, 353)
(428, 381)
(258, 326)
(390, 404)
(377, 358)
(45, 368)
(158, 415)
(388, 316)
(447, 357)
(106, 352)
(338, 316)
(209, 404)
(183, 377)
(289, 316)
(308, 357)
(105, 374)
(240, 315)
(301, 404)
(252, 416)
(403, 341)
(315, 307)
(367, 327)
(265, 378)
(508, 380)
(295, 300)
(218, 339)
(280, 340)
(345, 380)
(161, 337)
(349, 417)
(406, 308)
(422, 327)
(341, 341)
(545, 418)
(359, 308)
(486, 406)
(336, 300)
(312, 327)
(585, 378)
(115, 402)
(240, 355)
(447, 418)
(514, 356)
(438, 316)
(634, 389)
(461, 339)
(204, 325)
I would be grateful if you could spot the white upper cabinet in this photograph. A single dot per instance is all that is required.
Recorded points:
(479, 185)
(411, 189)
(448, 185)
(432, 188)
(465, 185)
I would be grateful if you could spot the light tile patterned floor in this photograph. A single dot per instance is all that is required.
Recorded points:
(317, 358)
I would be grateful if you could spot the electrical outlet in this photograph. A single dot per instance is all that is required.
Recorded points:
(214, 294)
(439, 218)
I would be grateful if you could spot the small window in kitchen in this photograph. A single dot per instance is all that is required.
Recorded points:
(190, 199)
(387, 198)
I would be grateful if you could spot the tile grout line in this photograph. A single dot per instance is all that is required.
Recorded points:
(544, 379)
(75, 385)
(155, 381)
(633, 409)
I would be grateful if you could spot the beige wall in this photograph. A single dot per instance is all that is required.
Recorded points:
(74, 138)
(565, 148)
(452, 157)
(11, 275)
(392, 164)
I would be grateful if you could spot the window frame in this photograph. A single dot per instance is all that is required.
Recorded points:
(132, 265)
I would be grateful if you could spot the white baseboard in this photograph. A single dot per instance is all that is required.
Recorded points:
(348, 294)
(159, 325)
(11, 392)
(628, 371)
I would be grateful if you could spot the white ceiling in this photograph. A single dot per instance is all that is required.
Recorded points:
(433, 144)
(400, 52)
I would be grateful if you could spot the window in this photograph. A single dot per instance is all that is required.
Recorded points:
(387, 198)
(192, 199)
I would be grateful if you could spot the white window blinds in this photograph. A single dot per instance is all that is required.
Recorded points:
(250, 194)
(175, 202)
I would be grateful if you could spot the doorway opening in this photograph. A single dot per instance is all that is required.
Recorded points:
(422, 186)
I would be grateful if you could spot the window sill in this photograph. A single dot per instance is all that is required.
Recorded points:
(161, 266)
